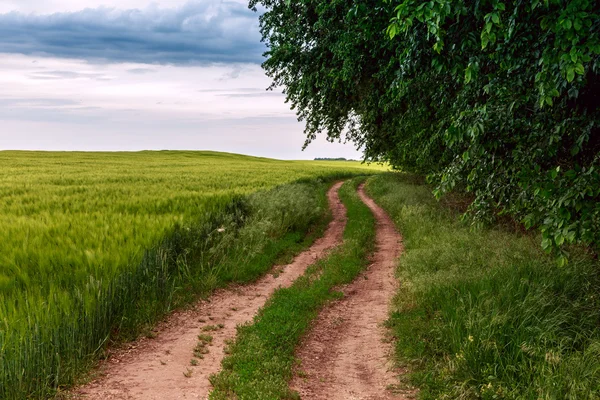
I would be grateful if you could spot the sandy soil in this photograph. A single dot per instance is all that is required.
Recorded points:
(346, 355)
(153, 369)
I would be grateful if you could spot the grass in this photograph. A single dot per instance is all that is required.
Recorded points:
(98, 246)
(201, 347)
(261, 359)
(483, 313)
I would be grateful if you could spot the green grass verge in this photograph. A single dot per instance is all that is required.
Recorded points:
(51, 349)
(483, 313)
(261, 360)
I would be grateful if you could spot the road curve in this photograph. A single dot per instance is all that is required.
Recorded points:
(159, 369)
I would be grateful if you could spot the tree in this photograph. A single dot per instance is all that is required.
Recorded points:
(500, 99)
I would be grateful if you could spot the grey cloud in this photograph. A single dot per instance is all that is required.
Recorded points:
(53, 75)
(200, 32)
(141, 71)
(235, 72)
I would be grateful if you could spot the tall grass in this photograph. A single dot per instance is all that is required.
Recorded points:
(483, 313)
(97, 246)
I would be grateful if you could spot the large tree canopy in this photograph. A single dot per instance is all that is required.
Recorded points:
(501, 99)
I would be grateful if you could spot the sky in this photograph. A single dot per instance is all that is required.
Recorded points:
(138, 75)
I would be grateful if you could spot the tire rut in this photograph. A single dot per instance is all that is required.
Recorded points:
(345, 355)
(159, 369)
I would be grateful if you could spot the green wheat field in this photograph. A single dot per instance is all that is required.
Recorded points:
(98, 244)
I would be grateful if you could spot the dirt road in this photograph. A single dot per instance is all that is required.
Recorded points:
(160, 369)
(345, 356)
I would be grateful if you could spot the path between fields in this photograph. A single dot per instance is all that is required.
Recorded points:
(153, 369)
(345, 355)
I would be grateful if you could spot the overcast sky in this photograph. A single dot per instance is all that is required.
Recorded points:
(135, 75)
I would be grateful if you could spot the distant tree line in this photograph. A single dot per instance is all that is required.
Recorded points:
(331, 159)
(497, 98)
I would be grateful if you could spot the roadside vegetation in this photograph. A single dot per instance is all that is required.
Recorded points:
(261, 360)
(485, 313)
(96, 247)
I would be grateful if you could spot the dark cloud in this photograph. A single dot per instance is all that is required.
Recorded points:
(200, 32)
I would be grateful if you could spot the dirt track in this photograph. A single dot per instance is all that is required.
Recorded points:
(153, 369)
(344, 357)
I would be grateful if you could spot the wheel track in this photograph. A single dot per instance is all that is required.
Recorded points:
(345, 356)
(153, 369)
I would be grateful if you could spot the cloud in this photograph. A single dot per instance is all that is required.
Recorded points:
(140, 71)
(262, 93)
(265, 94)
(36, 102)
(53, 75)
(242, 92)
(234, 73)
(238, 90)
(199, 32)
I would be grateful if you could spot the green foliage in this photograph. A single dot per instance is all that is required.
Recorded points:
(496, 98)
(261, 360)
(96, 247)
(484, 313)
